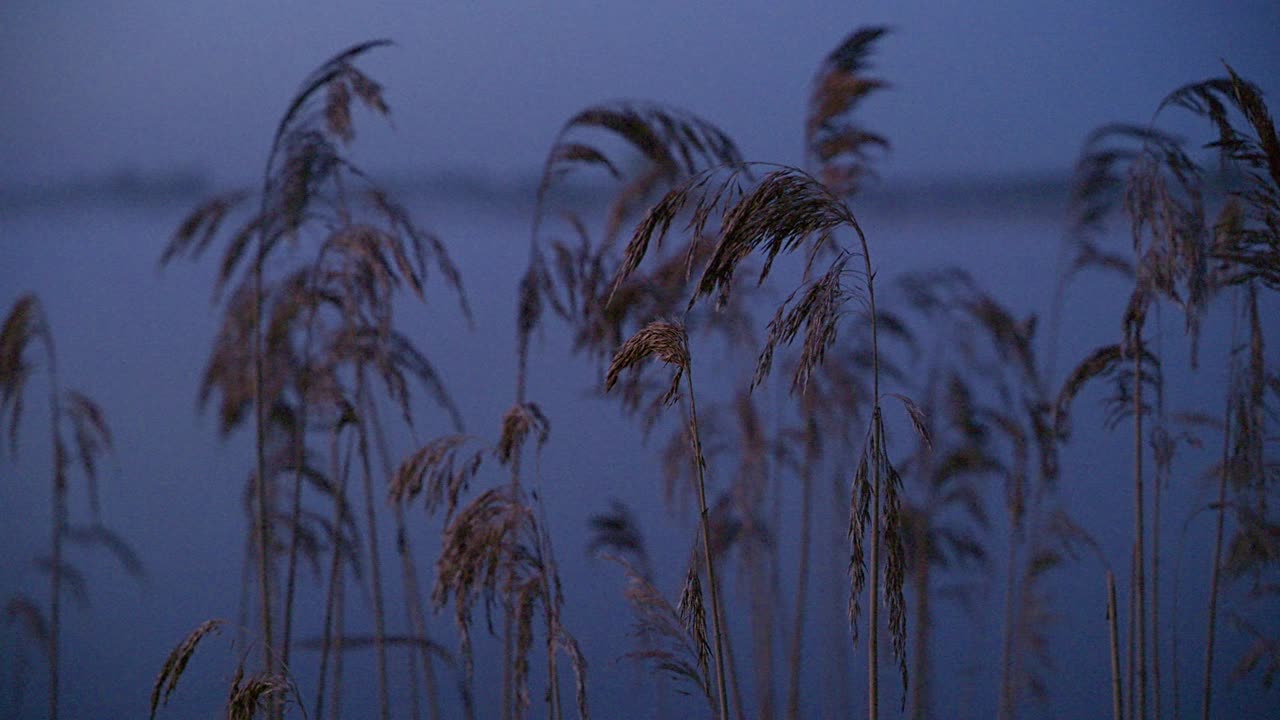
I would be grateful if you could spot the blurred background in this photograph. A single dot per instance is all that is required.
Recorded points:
(118, 118)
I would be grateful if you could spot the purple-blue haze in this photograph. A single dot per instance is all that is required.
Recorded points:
(987, 110)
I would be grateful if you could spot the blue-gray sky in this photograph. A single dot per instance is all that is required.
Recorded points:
(979, 87)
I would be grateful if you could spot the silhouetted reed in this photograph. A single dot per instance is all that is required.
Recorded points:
(71, 413)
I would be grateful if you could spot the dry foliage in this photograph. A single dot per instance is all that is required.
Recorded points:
(176, 663)
(672, 639)
(838, 147)
(445, 467)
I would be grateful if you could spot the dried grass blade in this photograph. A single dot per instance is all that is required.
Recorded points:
(176, 663)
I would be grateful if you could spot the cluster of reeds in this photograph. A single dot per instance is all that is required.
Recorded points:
(308, 333)
(1007, 421)
(1184, 257)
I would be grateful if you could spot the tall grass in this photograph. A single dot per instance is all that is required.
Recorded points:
(71, 413)
(696, 251)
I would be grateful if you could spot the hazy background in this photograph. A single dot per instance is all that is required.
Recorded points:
(116, 118)
(980, 88)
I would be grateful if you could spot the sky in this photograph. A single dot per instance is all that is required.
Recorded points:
(979, 88)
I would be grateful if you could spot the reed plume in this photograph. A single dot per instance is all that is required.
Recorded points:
(839, 147)
(71, 412)
(668, 342)
(1180, 259)
(785, 212)
(496, 546)
(300, 348)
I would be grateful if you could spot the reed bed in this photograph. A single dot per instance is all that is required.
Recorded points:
(928, 400)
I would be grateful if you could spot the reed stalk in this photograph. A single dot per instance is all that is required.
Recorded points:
(1216, 573)
(1139, 531)
(1131, 671)
(796, 652)
(1007, 675)
(375, 563)
(1113, 636)
(873, 624)
(335, 567)
(920, 688)
(58, 529)
(1224, 465)
(704, 522)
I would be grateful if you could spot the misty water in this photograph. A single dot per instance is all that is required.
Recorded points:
(136, 337)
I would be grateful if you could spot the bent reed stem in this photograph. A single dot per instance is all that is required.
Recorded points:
(704, 522)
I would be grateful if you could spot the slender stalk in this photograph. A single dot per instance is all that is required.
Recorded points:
(335, 567)
(1214, 577)
(508, 625)
(1006, 709)
(1160, 478)
(840, 701)
(1155, 597)
(802, 575)
(55, 601)
(1175, 683)
(295, 520)
(873, 635)
(375, 564)
(774, 554)
(1115, 647)
(417, 619)
(339, 635)
(409, 580)
(260, 472)
(731, 664)
(415, 701)
(920, 690)
(873, 675)
(1139, 532)
(299, 463)
(508, 651)
(705, 522)
(1131, 671)
(762, 624)
(508, 619)
(553, 677)
(58, 531)
(548, 604)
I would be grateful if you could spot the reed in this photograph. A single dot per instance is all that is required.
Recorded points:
(1113, 634)
(74, 414)
(669, 343)
(303, 349)
(1173, 248)
(247, 697)
(688, 250)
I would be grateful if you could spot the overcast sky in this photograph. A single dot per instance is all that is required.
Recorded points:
(980, 87)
